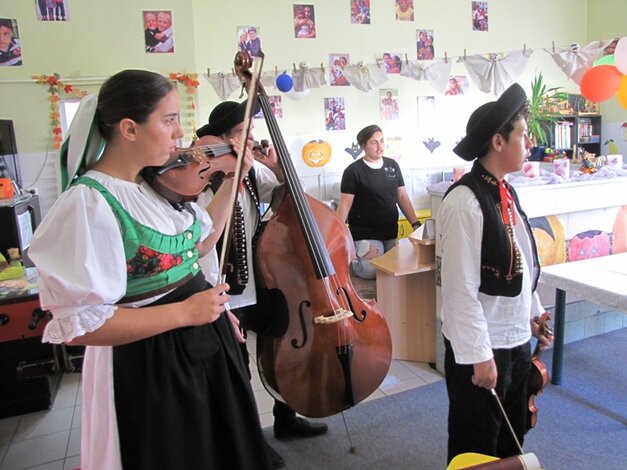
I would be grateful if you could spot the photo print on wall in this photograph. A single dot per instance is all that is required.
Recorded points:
(424, 44)
(10, 49)
(275, 104)
(304, 22)
(405, 10)
(360, 11)
(479, 16)
(249, 40)
(392, 61)
(52, 10)
(388, 104)
(426, 111)
(457, 85)
(334, 114)
(158, 31)
(337, 62)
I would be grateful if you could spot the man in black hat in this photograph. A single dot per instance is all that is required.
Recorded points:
(227, 122)
(489, 305)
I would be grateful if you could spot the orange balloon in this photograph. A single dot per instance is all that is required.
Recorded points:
(600, 83)
(621, 93)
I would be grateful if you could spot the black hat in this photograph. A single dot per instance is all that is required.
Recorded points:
(487, 120)
(224, 117)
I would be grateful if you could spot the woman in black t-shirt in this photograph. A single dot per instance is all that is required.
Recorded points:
(371, 189)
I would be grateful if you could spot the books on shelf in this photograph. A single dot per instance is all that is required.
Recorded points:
(562, 134)
(584, 130)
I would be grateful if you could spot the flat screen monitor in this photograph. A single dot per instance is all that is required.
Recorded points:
(9, 161)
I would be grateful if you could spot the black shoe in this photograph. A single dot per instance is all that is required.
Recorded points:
(298, 427)
(275, 458)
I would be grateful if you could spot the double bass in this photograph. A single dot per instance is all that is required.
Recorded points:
(331, 349)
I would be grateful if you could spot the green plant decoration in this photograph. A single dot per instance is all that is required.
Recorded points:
(543, 106)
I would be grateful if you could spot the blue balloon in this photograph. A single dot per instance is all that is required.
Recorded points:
(284, 82)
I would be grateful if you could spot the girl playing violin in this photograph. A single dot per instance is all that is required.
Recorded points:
(164, 384)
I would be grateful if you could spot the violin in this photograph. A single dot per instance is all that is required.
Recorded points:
(326, 348)
(538, 376)
(190, 170)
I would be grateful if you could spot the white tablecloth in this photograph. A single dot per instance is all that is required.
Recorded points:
(601, 280)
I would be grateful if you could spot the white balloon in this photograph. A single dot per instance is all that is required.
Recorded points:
(297, 95)
(620, 55)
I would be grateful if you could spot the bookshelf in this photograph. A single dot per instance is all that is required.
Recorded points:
(583, 130)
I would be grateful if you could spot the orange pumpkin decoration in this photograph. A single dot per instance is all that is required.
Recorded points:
(589, 244)
(316, 153)
(550, 239)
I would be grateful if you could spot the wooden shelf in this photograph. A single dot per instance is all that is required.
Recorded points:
(406, 295)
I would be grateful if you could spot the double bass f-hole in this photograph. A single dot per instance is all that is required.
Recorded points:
(342, 292)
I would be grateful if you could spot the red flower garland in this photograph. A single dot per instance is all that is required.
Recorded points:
(54, 85)
(191, 83)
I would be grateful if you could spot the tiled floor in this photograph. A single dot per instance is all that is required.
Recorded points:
(50, 440)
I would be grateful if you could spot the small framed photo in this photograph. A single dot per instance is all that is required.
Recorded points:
(424, 44)
(158, 31)
(52, 10)
(337, 62)
(334, 114)
(248, 40)
(405, 10)
(479, 16)
(10, 49)
(304, 22)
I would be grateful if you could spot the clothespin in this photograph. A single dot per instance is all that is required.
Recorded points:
(378, 62)
(553, 46)
(524, 48)
(322, 67)
(464, 54)
(208, 72)
(445, 58)
(406, 59)
(276, 71)
(294, 66)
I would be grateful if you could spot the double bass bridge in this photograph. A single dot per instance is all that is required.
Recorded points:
(338, 315)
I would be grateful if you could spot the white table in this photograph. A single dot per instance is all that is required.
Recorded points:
(600, 280)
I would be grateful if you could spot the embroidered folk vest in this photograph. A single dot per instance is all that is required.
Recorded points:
(501, 267)
(155, 262)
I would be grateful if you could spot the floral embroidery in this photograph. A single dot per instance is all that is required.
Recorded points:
(148, 262)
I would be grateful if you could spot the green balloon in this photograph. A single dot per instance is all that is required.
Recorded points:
(605, 60)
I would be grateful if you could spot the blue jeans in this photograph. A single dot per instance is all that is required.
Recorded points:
(366, 250)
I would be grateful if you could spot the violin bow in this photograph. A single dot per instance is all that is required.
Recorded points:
(509, 425)
(252, 95)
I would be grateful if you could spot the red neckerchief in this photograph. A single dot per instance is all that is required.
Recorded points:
(507, 205)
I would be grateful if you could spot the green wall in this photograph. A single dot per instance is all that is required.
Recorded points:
(608, 19)
(104, 37)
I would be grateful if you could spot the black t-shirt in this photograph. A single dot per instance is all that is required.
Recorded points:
(374, 213)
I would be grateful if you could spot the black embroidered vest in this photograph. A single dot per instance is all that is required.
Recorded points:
(501, 267)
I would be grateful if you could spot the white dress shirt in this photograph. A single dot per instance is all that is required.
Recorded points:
(476, 323)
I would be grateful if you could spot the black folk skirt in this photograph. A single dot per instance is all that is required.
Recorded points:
(183, 398)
